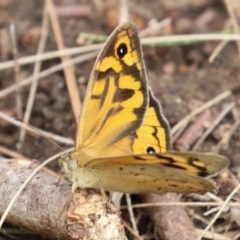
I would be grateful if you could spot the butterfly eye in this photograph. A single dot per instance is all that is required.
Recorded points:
(150, 150)
(72, 164)
(122, 50)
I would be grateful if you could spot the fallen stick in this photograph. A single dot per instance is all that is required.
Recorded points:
(88, 215)
(171, 222)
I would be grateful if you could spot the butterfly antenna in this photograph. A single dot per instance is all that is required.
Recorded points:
(40, 133)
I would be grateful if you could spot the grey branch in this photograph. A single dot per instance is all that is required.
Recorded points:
(87, 216)
(172, 222)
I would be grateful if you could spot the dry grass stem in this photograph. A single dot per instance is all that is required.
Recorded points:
(184, 204)
(205, 106)
(52, 136)
(213, 126)
(47, 72)
(37, 67)
(12, 154)
(131, 214)
(156, 27)
(213, 236)
(223, 206)
(224, 143)
(124, 11)
(16, 71)
(51, 55)
(233, 18)
(68, 71)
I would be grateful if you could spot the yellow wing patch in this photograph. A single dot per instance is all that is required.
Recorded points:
(152, 137)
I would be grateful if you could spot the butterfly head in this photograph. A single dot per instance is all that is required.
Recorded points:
(72, 164)
(72, 161)
(69, 165)
(68, 162)
(75, 169)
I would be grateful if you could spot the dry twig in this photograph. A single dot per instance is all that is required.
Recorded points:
(172, 223)
(205, 106)
(193, 132)
(88, 215)
(214, 124)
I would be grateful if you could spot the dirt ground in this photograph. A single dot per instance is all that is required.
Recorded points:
(180, 75)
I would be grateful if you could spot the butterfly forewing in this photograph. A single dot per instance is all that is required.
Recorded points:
(117, 90)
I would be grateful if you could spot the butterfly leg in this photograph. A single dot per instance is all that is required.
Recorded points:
(74, 186)
(65, 205)
(102, 191)
(59, 179)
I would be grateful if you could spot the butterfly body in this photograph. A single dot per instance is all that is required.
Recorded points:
(123, 139)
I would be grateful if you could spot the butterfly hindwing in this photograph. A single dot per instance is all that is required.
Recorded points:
(148, 179)
(152, 136)
(154, 173)
(159, 173)
(199, 164)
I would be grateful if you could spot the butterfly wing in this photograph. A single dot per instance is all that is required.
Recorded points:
(150, 173)
(147, 179)
(159, 173)
(117, 95)
(197, 163)
(152, 136)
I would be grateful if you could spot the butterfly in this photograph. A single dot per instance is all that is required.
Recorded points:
(123, 141)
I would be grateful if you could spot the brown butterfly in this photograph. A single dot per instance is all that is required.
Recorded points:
(123, 138)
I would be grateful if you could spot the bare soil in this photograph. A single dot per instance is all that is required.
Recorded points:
(180, 75)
